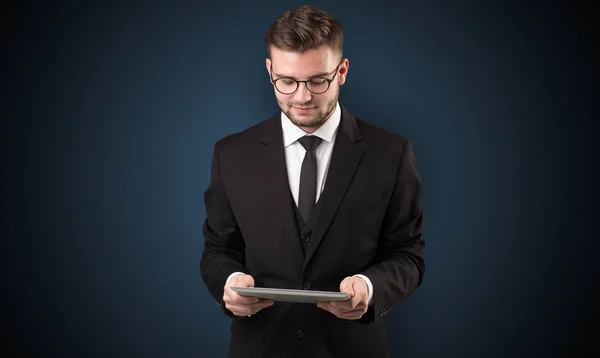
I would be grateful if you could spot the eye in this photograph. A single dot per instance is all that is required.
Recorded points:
(318, 81)
(287, 81)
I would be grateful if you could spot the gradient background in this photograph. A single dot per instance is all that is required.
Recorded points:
(113, 110)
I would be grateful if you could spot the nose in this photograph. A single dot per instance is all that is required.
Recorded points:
(302, 94)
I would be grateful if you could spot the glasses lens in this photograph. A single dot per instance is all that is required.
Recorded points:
(285, 85)
(318, 85)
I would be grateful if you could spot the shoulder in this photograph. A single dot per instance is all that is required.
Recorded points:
(245, 139)
(249, 134)
(375, 136)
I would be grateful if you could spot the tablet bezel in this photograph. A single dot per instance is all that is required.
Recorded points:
(291, 295)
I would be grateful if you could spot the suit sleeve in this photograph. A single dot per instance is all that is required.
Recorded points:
(223, 252)
(400, 269)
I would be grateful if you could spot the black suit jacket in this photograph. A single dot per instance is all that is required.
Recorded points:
(369, 221)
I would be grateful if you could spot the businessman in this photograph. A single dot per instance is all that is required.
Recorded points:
(312, 198)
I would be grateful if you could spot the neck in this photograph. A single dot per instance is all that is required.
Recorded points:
(311, 130)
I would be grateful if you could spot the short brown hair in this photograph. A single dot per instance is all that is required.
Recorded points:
(305, 28)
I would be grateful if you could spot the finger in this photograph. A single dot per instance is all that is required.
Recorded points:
(331, 309)
(234, 298)
(239, 310)
(354, 312)
(259, 304)
(265, 303)
(327, 307)
(247, 301)
(347, 311)
(350, 315)
(353, 316)
(262, 307)
(357, 300)
(343, 305)
(343, 313)
(244, 300)
(245, 310)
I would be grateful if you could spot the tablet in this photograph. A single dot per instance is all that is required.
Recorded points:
(288, 295)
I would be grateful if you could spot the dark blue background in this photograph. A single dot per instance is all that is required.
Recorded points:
(113, 110)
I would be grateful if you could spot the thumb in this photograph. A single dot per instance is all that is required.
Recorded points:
(347, 286)
(245, 280)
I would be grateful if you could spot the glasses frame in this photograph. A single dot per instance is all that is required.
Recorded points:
(274, 81)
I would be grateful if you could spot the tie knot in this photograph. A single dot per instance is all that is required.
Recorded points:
(310, 142)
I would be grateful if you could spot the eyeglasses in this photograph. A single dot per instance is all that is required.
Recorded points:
(316, 85)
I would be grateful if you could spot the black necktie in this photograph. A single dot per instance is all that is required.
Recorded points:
(308, 177)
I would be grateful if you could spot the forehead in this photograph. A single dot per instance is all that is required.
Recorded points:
(305, 64)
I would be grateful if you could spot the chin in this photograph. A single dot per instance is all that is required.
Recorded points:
(306, 122)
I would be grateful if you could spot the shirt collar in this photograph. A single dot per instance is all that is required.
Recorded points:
(327, 131)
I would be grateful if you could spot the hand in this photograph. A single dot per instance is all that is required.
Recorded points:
(356, 306)
(242, 305)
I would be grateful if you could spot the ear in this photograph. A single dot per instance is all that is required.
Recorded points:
(268, 67)
(343, 71)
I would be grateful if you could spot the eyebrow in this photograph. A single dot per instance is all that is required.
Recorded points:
(322, 74)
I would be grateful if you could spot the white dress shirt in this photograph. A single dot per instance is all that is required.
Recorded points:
(294, 151)
(294, 155)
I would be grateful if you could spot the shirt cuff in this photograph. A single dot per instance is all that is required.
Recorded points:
(230, 276)
(369, 286)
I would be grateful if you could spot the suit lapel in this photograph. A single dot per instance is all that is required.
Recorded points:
(276, 187)
(346, 155)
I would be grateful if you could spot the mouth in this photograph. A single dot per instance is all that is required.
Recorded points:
(304, 109)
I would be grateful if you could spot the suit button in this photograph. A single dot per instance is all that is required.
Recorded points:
(306, 285)
(306, 238)
(299, 334)
(380, 314)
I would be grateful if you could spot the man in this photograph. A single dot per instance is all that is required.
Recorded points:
(312, 198)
